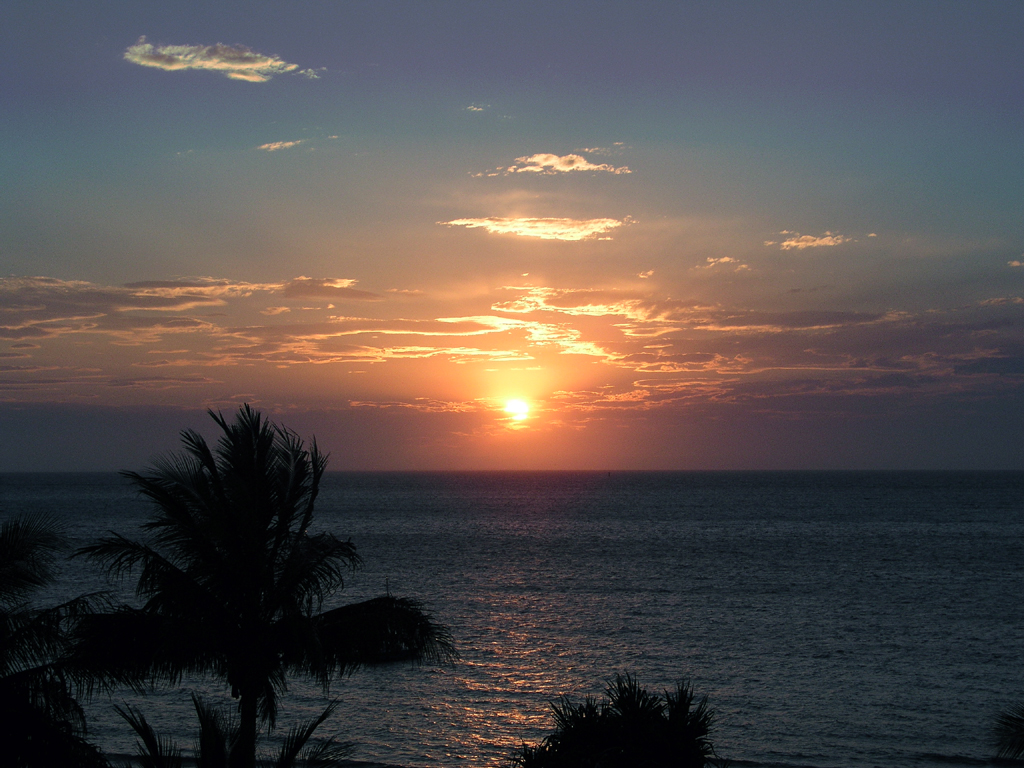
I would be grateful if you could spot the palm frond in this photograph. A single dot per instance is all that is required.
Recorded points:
(1009, 733)
(296, 744)
(217, 736)
(313, 569)
(382, 630)
(28, 552)
(153, 751)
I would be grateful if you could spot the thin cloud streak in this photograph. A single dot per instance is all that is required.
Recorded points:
(543, 228)
(275, 146)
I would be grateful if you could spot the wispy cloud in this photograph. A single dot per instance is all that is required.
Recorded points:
(569, 301)
(543, 228)
(643, 348)
(724, 262)
(274, 146)
(41, 307)
(794, 240)
(614, 149)
(234, 61)
(549, 163)
(325, 288)
(160, 382)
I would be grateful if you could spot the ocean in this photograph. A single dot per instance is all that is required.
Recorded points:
(832, 619)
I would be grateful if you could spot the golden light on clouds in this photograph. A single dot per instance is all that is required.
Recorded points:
(548, 163)
(543, 228)
(794, 240)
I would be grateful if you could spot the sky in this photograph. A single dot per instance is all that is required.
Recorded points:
(516, 235)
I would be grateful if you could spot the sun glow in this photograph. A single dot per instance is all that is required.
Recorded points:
(517, 409)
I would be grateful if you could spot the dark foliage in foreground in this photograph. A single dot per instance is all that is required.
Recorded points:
(630, 728)
(232, 580)
(1009, 733)
(218, 738)
(41, 722)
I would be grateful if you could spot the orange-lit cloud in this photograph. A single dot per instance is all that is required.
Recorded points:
(724, 262)
(623, 348)
(234, 61)
(595, 302)
(311, 287)
(548, 163)
(543, 228)
(794, 240)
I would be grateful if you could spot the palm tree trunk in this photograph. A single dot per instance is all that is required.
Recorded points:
(243, 753)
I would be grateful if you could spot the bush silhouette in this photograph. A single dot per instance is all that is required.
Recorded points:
(630, 728)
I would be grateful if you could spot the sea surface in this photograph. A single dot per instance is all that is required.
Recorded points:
(832, 619)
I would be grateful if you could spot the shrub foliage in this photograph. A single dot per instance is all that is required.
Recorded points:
(629, 728)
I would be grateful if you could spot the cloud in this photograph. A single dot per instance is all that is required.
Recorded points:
(276, 145)
(543, 228)
(39, 307)
(580, 301)
(648, 316)
(325, 288)
(726, 262)
(615, 149)
(548, 164)
(234, 61)
(643, 348)
(1015, 263)
(799, 242)
(203, 290)
(160, 382)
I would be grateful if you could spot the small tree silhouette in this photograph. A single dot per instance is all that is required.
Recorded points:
(631, 728)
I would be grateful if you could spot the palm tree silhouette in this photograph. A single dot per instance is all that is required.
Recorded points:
(629, 728)
(233, 579)
(43, 724)
(218, 738)
(1009, 733)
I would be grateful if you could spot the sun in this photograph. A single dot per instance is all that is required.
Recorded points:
(517, 409)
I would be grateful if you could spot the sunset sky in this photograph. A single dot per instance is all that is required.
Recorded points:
(682, 235)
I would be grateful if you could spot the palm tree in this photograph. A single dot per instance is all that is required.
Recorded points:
(42, 722)
(630, 728)
(1009, 733)
(218, 737)
(232, 579)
